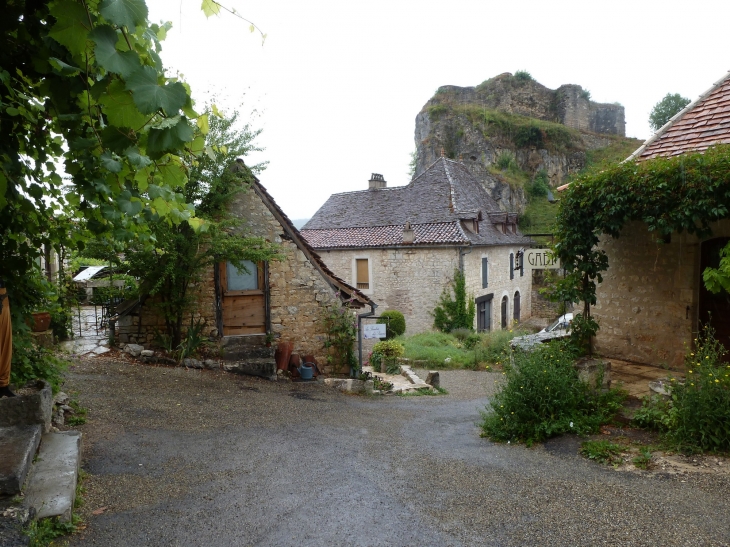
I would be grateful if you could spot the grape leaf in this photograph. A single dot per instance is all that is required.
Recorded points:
(107, 54)
(149, 96)
(71, 26)
(210, 7)
(119, 107)
(170, 139)
(124, 13)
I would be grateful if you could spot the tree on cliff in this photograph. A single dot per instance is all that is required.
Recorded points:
(665, 109)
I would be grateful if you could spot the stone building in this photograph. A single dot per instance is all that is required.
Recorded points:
(282, 298)
(652, 297)
(400, 246)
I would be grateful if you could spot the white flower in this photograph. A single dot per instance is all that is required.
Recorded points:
(571, 424)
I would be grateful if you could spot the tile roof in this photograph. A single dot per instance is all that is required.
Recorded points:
(701, 124)
(434, 203)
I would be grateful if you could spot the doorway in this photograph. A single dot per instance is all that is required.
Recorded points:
(484, 313)
(505, 306)
(243, 298)
(714, 309)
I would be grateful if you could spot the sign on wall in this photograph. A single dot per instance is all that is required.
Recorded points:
(540, 259)
(373, 331)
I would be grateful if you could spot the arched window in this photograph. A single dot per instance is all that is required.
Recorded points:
(516, 304)
(505, 306)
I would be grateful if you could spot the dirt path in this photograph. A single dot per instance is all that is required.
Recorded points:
(185, 457)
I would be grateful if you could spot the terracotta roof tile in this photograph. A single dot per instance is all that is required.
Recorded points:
(701, 124)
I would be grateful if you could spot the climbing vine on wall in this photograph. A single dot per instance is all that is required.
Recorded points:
(684, 193)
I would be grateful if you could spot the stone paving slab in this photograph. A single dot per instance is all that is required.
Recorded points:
(18, 445)
(635, 378)
(52, 485)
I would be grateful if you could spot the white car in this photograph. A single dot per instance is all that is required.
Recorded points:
(561, 323)
(560, 328)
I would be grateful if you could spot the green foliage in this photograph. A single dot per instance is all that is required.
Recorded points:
(529, 136)
(182, 254)
(717, 280)
(506, 161)
(544, 397)
(82, 85)
(686, 192)
(665, 109)
(79, 414)
(697, 416)
(582, 330)
(436, 110)
(412, 164)
(387, 352)
(602, 451)
(341, 327)
(540, 184)
(42, 532)
(457, 311)
(643, 460)
(381, 385)
(395, 323)
(31, 362)
(585, 94)
(523, 76)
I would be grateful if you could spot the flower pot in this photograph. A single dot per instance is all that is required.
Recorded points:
(40, 321)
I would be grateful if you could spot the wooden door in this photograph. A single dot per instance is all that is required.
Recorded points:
(714, 308)
(243, 299)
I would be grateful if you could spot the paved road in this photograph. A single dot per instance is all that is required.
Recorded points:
(198, 458)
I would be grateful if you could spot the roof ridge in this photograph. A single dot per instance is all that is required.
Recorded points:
(678, 116)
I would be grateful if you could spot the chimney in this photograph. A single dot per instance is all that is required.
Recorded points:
(376, 182)
(408, 235)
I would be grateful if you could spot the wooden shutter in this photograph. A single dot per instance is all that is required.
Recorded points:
(363, 277)
(511, 265)
(485, 272)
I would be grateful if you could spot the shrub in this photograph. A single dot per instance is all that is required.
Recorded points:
(506, 161)
(540, 184)
(523, 76)
(529, 135)
(455, 312)
(544, 397)
(387, 352)
(395, 323)
(653, 414)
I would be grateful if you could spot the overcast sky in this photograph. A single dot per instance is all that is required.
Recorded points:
(338, 84)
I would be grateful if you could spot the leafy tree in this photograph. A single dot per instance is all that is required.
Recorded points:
(665, 109)
(457, 311)
(182, 255)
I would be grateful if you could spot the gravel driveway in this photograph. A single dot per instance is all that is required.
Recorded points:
(198, 458)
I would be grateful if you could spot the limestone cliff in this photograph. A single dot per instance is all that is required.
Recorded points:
(540, 128)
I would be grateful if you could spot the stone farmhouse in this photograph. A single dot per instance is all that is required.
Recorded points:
(400, 246)
(652, 297)
(283, 298)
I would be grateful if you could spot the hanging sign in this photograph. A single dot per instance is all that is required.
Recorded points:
(373, 331)
(540, 259)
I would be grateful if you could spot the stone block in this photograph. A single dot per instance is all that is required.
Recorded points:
(433, 378)
(263, 367)
(591, 370)
(18, 445)
(133, 349)
(35, 408)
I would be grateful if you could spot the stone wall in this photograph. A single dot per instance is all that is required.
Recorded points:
(411, 280)
(297, 290)
(647, 305)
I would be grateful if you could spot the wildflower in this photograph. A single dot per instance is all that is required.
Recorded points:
(691, 353)
(707, 357)
(571, 424)
(691, 383)
(512, 412)
(690, 372)
(717, 381)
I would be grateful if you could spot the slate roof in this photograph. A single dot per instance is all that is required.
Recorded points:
(434, 203)
(698, 126)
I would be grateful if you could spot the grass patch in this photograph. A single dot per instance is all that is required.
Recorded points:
(440, 350)
(43, 532)
(425, 391)
(539, 216)
(79, 414)
(619, 149)
(543, 397)
(602, 451)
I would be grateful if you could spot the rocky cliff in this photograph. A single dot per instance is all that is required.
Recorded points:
(513, 116)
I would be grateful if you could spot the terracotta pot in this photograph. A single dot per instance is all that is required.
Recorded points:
(283, 354)
(40, 321)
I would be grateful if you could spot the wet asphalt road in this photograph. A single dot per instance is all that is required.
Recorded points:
(188, 458)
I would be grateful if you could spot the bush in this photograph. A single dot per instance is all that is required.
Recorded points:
(455, 312)
(697, 416)
(395, 323)
(523, 76)
(387, 352)
(540, 184)
(506, 161)
(544, 397)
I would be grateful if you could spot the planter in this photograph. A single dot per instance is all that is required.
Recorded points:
(40, 321)
(283, 354)
(34, 408)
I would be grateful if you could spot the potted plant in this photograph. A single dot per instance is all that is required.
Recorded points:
(269, 338)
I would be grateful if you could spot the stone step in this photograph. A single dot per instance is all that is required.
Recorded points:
(51, 488)
(237, 348)
(18, 445)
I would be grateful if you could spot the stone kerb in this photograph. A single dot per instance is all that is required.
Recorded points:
(34, 408)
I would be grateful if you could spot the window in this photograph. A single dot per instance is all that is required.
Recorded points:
(512, 265)
(484, 313)
(362, 273)
(242, 280)
(485, 272)
(505, 306)
(516, 304)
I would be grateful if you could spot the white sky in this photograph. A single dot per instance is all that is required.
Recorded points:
(338, 84)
